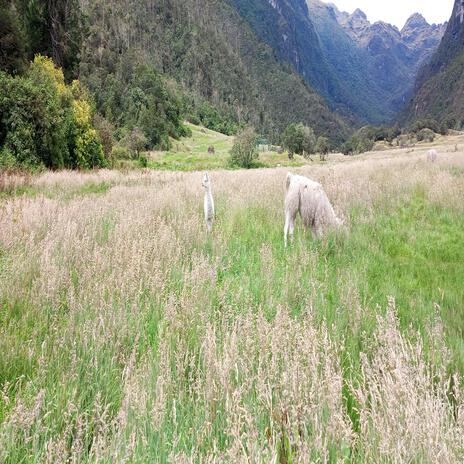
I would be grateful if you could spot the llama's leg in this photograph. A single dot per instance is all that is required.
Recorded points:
(289, 227)
(292, 228)
(318, 230)
(286, 227)
(209, 225)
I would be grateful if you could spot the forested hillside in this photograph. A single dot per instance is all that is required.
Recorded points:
(148, 65)
(210, 52)
(440, 84)
(356, 89)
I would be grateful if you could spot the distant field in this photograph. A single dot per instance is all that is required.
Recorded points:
(127, 334)
(191, 154)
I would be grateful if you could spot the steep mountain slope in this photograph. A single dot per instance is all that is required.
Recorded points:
(285, 26)
(421, 38)
(362, 69)
(440, 84)
(350, 65)
(210, 52)
(395, 56)
(288, 27)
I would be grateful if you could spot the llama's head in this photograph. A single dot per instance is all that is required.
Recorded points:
(205, 182)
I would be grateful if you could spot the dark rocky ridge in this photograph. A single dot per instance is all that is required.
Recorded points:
(439, 92)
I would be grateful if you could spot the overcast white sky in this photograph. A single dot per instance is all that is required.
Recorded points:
(398, 11)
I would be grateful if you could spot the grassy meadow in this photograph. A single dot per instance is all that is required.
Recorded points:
(191, 153)
(127, 334)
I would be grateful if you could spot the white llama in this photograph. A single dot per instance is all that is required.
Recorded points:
(432, 156)
(308, 198)
(208, 203)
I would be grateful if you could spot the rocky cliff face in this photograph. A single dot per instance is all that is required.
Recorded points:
(392, 57)
(363, 70)
(407, 49)
(396, 55)
(286, 26)
(439, 92)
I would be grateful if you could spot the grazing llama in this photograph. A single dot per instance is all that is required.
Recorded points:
(308, 198)
(432, 156)
(208, 203)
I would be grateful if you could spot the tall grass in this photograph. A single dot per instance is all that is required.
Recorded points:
(127, 334)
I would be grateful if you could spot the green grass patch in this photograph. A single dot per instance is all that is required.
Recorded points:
(412, 252)
(409, 249)
(191, 153)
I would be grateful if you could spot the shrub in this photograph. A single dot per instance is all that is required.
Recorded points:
(323, 147)
(360, 142)
(105, 131)
(299, 139)
(143, 161)
(135, 141)
(7, 160)
(406, 140)
(88, 150)
(347, 148)
(428, 123)
(120, 152)
(364, 138)
(245, 151)
(211, 118)
(426, 135)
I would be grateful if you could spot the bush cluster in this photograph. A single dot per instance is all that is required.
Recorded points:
(299, 139)
(364, 139)
(46, 123)
(135, 97)
(428, 123)
(207, 115)
(425, 135)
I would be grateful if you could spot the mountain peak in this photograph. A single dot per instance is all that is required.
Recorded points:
(416, 20)
(358, 13)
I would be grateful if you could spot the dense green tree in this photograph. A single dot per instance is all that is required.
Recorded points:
(210, 117)
(54, 28)
(138, 96)
(323, 147)
(245, 150)
(292, 140)
(44, 122)
(299, 139)
(12, 50)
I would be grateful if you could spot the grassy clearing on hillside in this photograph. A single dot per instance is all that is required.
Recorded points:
(128, 334)
(191, 154)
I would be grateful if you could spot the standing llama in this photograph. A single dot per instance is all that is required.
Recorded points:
(208, 203)
(308, 198)
(432, 156)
